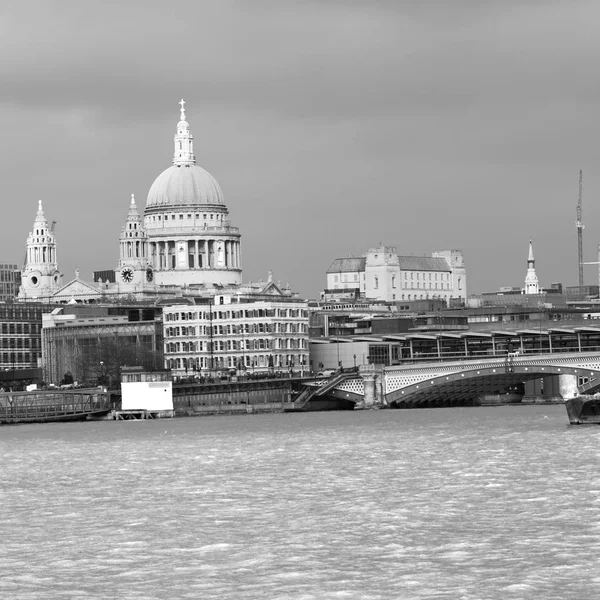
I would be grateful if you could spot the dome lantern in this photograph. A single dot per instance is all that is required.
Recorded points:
(185, 183)
(184, 142)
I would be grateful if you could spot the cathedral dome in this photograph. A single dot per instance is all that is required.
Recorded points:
(184, 185)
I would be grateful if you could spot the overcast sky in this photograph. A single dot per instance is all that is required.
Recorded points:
(331, 126)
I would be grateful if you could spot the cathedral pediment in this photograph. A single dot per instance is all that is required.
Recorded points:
(76, 287)
(271, 289)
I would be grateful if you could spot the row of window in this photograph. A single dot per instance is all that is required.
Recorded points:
(9, 312)
(20, 343)
(235, 345)
(243, 329)
(10, 359)
(255, 313)
(9, 276)
(419, 275)
(20, 328)
(425, 297)
(236, 362)
(213, 217)
(431, 286)
(443, 276)
(406, 285)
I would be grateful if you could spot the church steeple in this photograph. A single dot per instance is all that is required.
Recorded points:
(40, 276)
(41, 244)
(184, 142)
(531, 280)
(132, 240)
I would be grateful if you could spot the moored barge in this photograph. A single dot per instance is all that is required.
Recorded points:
(584, 409)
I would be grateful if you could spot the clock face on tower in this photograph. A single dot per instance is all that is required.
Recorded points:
(149, 275)
(127, 274)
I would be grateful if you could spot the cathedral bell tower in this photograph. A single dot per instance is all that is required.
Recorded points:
(40, 277)
(133, 263)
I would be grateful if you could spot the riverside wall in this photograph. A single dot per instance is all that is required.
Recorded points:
(233, 397)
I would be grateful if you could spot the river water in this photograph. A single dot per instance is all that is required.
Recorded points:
(460, 503)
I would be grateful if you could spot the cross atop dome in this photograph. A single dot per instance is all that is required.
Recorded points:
(182, 102)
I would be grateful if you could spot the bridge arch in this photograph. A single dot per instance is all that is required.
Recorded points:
(466, 386)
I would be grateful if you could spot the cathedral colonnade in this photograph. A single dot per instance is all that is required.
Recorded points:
(198, 253)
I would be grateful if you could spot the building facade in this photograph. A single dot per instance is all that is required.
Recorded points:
(10, 280)
(382, 274)
(233, 334)
(20, 336)
(92, 343)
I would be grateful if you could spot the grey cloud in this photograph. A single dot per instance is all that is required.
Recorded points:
(409, 122)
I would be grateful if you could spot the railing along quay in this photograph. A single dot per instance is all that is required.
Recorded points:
(55, 405)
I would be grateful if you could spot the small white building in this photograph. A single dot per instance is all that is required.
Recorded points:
(146, 391)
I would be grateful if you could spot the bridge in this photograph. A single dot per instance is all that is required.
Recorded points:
(456, 382)
(53, 405)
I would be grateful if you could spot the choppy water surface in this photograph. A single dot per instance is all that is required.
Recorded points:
(472, 503)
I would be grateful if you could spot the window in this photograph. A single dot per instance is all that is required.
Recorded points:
(376, 284)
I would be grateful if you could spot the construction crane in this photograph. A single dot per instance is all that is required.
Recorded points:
(580, 229)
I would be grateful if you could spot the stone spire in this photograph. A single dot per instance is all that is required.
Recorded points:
(132, 240)
(41, 244)
(184, 142)
(531, 280)
(40, 276)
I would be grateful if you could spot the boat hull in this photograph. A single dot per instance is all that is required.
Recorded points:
(583, 410)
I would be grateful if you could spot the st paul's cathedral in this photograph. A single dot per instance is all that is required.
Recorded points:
(183, 245)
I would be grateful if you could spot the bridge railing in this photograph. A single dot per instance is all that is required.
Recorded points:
(419, 357)
(30, 406)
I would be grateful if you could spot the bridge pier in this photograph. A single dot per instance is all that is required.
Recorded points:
(373, 377)
(567, 385)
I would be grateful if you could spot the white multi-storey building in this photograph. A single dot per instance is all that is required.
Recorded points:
(382, 274)
(236, 334)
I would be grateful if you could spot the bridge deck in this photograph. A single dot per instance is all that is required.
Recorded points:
(59, 405)
(469, 380)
